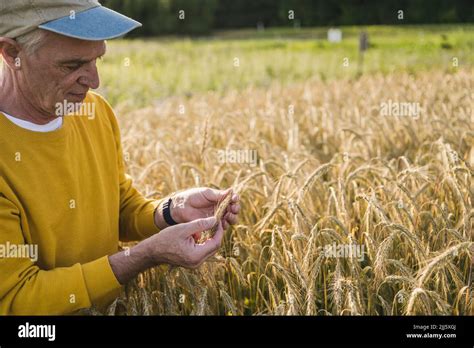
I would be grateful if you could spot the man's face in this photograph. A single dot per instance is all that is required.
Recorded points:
(62, 69)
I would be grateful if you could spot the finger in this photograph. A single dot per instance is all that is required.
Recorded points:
(235, 198)
(213, 195)
(212, 244)
(195, 226)
(225, 224)
(231, 218)
(234, 208)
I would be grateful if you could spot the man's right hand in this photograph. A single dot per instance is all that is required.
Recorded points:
(174, 245)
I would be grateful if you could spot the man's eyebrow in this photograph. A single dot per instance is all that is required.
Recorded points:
(74, 61)
(78, 60)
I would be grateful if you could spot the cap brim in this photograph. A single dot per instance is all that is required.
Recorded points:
(98, 23)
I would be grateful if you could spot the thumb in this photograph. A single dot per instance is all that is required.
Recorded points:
(198, 225)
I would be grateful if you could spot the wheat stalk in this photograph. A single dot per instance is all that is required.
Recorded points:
(219, 214)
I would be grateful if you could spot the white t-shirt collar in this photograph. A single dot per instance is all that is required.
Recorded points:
(48, 127)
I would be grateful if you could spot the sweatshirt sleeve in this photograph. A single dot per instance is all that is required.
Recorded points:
(137, 221)
(25, 289)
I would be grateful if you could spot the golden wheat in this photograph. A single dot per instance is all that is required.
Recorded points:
(333, 172)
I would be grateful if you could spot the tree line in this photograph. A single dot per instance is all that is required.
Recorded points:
(198, 17)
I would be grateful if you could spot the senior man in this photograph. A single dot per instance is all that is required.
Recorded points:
(63, 187)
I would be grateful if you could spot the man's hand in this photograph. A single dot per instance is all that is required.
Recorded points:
(198, 203)
(174, 245)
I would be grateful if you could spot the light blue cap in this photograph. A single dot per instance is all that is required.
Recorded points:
(97, 23)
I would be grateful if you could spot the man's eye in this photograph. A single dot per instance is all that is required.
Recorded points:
(72, 67)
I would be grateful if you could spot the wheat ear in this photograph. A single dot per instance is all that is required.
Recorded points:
(219, 214)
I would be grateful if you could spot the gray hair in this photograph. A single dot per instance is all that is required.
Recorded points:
(32, 41)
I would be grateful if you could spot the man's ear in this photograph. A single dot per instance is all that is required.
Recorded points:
(10, 49)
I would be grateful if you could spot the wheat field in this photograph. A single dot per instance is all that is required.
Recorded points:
(331, 170)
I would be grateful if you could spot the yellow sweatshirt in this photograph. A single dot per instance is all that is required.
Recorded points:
(65, 193)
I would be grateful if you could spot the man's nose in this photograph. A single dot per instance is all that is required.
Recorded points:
(90, 77)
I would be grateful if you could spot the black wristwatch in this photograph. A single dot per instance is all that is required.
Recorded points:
(167, 213)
